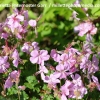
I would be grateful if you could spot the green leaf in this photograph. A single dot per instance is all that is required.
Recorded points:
(86, 1)
(70, 1)
(3, 3)
(48, 97)
(95, 9)
(34, 98)
(36, 88)
(46, 29)
(30, 79)
(97, 13)
(61, 26)
(28, 85)
(47, 8)
(82, 38)
(25, 96)
(8, 2)
(32, 15)
(12, 91)
(81, 13)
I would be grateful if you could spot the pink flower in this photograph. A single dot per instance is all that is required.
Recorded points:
(43, 69)
(13, 77)
(78, 92)
(67, 59)
(4, 35)
(14, 21)
(86, 27)
(32, 23)
(20, 31)
(88, 44)
(84, 61)
(93, 66)
(65, 89)
(94, 30)
(63, 97)
(55, 55)
(61, 70)
(95, 80)
(90, 66)
(25, 13)
(35, 45)
(52, 80)
(21, 87)
(26, 47)
(16, 59)
(3, 64)
(77, 80)
(39, 56)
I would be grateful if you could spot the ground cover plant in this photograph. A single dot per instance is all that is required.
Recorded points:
(52, 54)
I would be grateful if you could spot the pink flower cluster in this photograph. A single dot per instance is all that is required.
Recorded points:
(70, 62)
(71, 68)
(16, 25)
(86, 27)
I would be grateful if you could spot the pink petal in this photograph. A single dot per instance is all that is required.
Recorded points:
(20, 17)
(34, 53)
(63, 97)
(8, 83)
(32, 23)
(34, 60)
